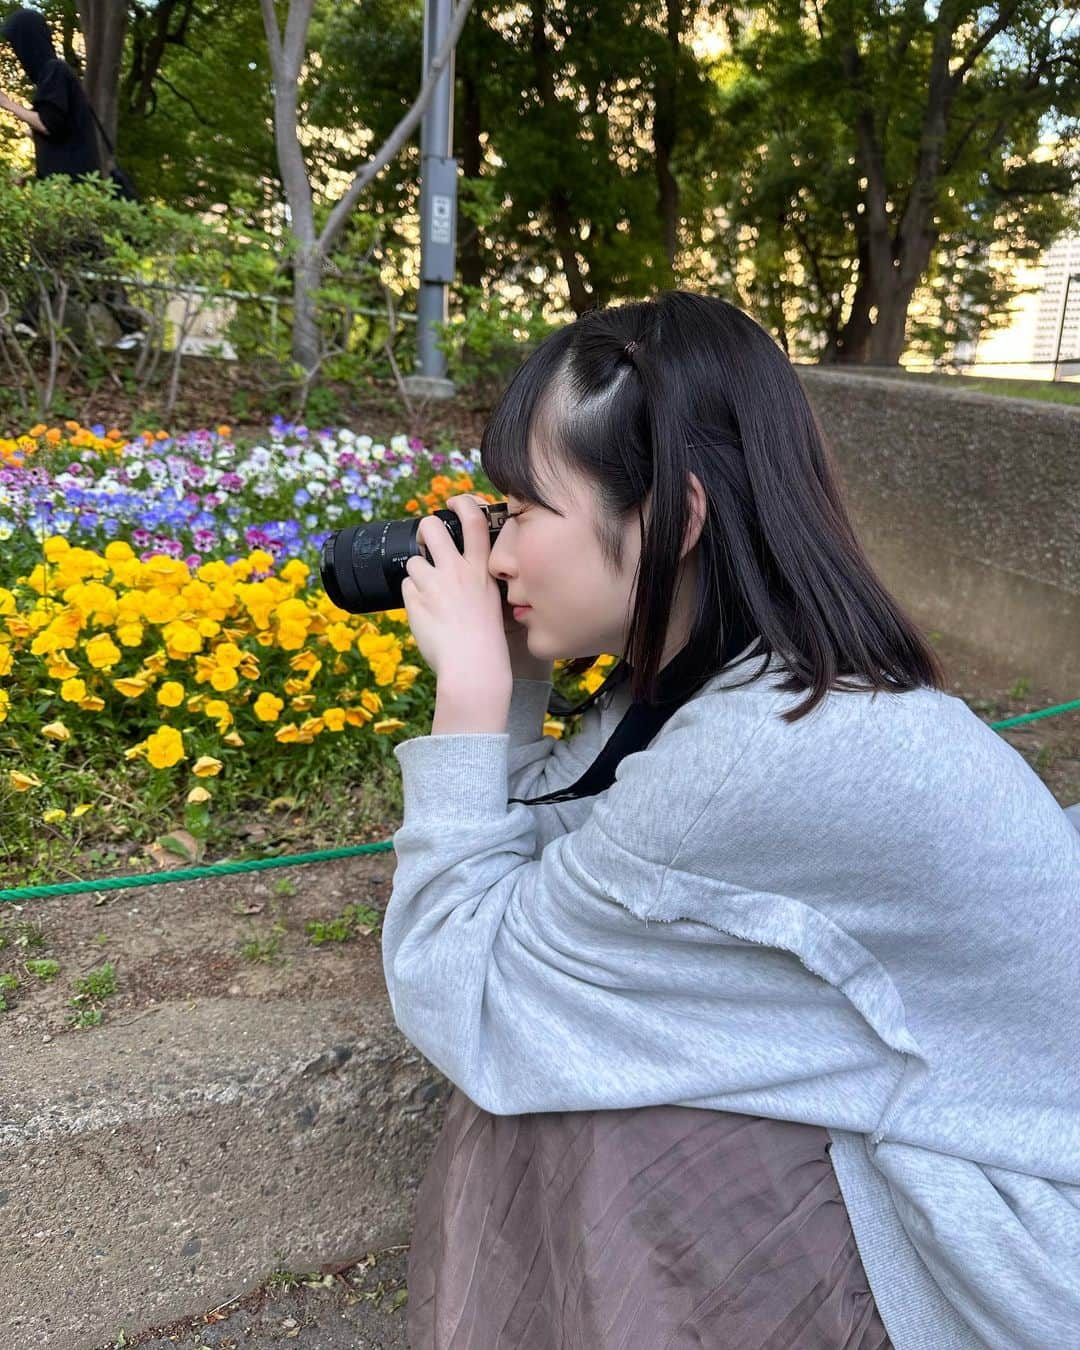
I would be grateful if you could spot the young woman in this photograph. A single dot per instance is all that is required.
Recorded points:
(763, 1013)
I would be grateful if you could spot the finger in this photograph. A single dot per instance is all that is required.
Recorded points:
(474, 527)
(435, 537)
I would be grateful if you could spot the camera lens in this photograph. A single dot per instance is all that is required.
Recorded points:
(362, 566)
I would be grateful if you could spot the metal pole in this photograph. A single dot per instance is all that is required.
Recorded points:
(1073, 276)
(438, 211)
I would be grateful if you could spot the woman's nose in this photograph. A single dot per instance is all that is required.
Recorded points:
(499, 561)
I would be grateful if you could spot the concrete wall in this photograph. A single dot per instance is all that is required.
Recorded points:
(969, 506)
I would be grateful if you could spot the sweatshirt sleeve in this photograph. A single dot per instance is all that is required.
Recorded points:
(539, 764)
(539, 984)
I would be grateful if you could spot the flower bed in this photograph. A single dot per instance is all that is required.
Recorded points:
(165, 643)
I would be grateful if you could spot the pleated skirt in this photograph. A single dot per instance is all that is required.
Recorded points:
(659, 1228)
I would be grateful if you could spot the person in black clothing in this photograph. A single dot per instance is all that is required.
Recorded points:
(59, 116)
(63, 127)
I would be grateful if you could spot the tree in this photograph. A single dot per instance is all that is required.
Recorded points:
(312, 244)
(879, 145)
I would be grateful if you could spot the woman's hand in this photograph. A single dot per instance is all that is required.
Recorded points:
(456, 612)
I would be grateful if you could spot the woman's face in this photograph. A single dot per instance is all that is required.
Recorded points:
(553, 563)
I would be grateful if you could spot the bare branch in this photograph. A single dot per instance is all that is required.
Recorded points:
(401, 133)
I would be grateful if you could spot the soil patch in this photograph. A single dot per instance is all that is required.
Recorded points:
(239, 936)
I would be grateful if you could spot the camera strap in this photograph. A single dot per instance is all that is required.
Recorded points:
(679, 680)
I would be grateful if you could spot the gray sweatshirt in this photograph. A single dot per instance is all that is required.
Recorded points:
(865, 920)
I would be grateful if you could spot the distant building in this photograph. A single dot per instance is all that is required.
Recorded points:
(1043, 330)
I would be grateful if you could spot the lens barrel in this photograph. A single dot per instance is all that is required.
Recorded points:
(362, 566)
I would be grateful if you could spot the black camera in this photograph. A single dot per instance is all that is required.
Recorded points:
(362, 566)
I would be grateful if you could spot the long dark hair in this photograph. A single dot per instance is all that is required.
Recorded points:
(638, 396)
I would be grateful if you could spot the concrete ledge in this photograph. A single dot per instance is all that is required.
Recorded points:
(197, 1149)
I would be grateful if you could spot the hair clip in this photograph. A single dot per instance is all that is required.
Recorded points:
(630, 348)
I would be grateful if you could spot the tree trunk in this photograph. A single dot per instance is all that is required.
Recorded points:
(888, 338)
(306, 346)
(853, 340)
(581, 298)
(104, 24)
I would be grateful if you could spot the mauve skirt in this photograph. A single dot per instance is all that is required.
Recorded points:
(659, 1228)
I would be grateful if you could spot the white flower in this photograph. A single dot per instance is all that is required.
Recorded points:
(315, 488)
(399, 444)
(6, 529)
(364, 442)
(345, 436)
(132, 469)
(379, 452)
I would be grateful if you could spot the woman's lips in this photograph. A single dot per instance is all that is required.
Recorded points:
(519, 610)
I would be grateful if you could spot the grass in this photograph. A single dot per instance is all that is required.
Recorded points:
(91, 991)
(354, 921)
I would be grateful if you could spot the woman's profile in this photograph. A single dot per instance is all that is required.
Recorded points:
(759, 995)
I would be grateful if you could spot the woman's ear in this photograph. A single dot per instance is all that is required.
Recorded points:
(698, 510)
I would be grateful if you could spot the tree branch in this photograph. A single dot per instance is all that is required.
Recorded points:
(401, 133)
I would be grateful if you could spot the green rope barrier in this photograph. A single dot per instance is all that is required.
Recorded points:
(1032, 717)
(323, 855)
(191, 873)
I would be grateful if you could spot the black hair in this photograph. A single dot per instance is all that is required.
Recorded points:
(636, 397)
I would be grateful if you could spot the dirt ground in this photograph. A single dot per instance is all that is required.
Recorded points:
(360, 1307)
(187, 941)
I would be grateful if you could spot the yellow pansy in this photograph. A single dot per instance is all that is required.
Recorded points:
(295, 572)
(228, 654)
(56, 731)
(357, 717)
(223, 678)
(91, 703)
(73, 691)
(165, 747)
(61, 667)
(171, 694)
(102, 652)
(5, 704)
(23, 782)
(267, 707)
(198, 794)
(339, 636)
(387, 725)
(233, 738)
(6, 659)
(161, 607)
(81, 810)
(131, 688)
(306, 661)
(371, 700)
(288, 734)
(220, 710)
(129, 634)
(54, 816)
(181, 639)
(206, 766)
(334, 719)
